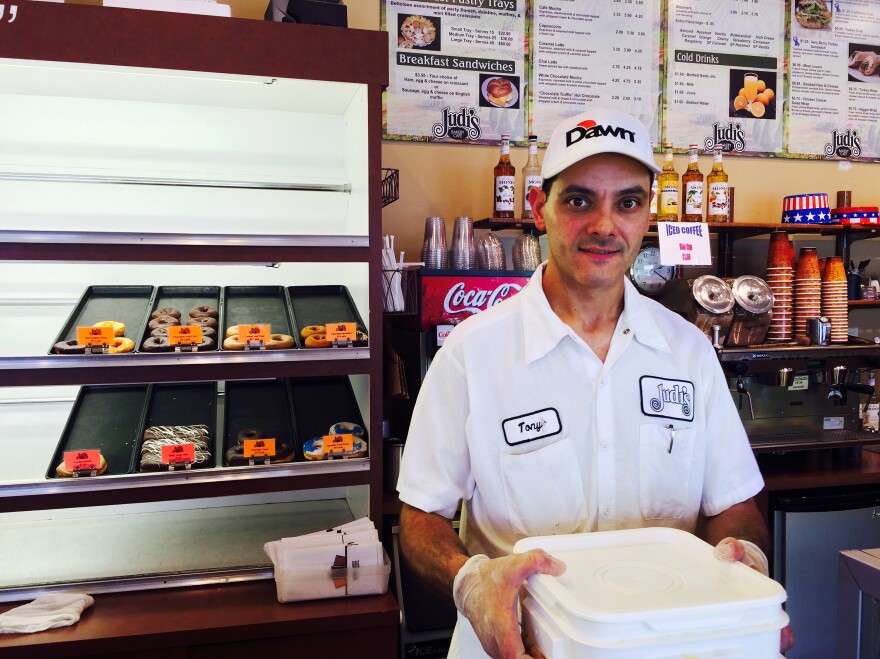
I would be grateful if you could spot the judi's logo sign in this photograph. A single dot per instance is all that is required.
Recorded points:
(844, 144)
(460, 125)
(731, 137)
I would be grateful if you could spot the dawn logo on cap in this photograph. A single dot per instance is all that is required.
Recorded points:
(589, 128)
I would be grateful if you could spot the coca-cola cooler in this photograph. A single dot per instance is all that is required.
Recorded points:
(441, 299)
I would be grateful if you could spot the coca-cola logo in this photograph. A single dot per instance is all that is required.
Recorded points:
(461, 300)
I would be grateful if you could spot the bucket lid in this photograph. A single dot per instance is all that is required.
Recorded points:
(713, 294)
(651, 574)
(753, 294)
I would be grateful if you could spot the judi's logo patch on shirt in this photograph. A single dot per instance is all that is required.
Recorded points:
(667, 398)
(531, 426)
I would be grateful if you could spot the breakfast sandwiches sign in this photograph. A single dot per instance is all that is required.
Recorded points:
(457, 70)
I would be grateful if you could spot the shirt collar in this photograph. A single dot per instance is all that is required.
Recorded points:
(543, 329)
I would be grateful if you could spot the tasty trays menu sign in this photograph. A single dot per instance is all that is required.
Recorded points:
(790, 78)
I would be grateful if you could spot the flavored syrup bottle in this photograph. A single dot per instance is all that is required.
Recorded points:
(719, 194)
(504, 182)
(871, 410)
(654, 197)
(531, 176)
(667, 210)
(692, 189)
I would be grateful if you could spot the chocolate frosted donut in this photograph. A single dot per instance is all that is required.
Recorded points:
(206, 344)
(204, 321)
(201, 312)
(162, 321)
(157, 344)
(249, 433)
(69, 348)
(166, 311)
(207, 332)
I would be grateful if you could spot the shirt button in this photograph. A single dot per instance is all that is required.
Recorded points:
(626, 331)
(606, 510)
(604, 446)
(601, 383)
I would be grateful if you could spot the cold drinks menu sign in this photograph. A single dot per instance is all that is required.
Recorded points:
(792, 78)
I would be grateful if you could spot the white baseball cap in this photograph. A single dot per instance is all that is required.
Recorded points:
(593, 132)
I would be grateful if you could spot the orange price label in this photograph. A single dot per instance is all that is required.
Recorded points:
(259, 448)
(338, 443)
(82, 460)
(184, 334)
(94, 336)
(341, 331)
(178, 453)
(254, 333)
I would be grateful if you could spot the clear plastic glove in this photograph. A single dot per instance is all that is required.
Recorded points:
(731, 549)
(486, 591)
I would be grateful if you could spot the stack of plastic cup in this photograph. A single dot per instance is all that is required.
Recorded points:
(463, 255)
(526, 253)
(490, 252)
(434, 248)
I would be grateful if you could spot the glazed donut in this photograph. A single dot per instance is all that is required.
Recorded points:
(61, 472)
(199, 312)
(69, 348)
(232, 343)
(118, 328)
(121, 344)
(249, 433)
(232, 330)
(204, 321)
(307, 331)
(162, 321)
(318, 340)
(157, 344)
(166, 311)
(280, 342)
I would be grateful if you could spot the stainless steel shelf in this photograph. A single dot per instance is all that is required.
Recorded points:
(176, 182)
(181, 239)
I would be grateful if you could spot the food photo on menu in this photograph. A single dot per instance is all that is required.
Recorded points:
(752, 94)
(499, 91)
(864, 63)
(813, 14)
(418, 32)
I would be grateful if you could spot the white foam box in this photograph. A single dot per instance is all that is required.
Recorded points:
(653, 593)
(299, 585)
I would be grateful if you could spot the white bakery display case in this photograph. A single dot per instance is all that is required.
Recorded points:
(246, 157)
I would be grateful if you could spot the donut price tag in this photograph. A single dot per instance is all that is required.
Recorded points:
(259, 449)
(184, 335)
(254, 336)
(175, 454)
(83, 463)
(95, 336)
(338, 444)
(341, 333)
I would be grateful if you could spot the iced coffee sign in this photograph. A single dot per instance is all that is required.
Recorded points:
(449, 299)
(684, 243)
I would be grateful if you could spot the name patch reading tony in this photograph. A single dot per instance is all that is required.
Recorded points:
(531, 426)
(667, 398)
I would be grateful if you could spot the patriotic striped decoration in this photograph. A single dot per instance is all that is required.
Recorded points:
(806, 209)
(856, 215)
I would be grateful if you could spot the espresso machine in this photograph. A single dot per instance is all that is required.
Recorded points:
(801, 397)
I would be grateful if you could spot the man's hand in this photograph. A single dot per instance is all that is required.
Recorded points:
(486, 592)
(733, 550)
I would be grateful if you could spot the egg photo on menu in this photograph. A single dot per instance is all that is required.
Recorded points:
(499, 91)
(418, 32)
(863, 64)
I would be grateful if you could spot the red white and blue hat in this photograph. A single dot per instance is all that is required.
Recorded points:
(806, 209)
(855, 215)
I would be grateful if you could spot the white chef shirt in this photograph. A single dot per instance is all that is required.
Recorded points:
(518, 418)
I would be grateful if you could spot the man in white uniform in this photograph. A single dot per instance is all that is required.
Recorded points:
(576, 405)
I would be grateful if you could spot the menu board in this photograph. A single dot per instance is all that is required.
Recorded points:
(725, 74)
(784, 78)
(835, 87)
(594, 53)
(457, 69)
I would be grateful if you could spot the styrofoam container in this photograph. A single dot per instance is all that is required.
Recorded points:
(652, 593)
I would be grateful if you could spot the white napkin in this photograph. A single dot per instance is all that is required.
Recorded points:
(45, 612)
